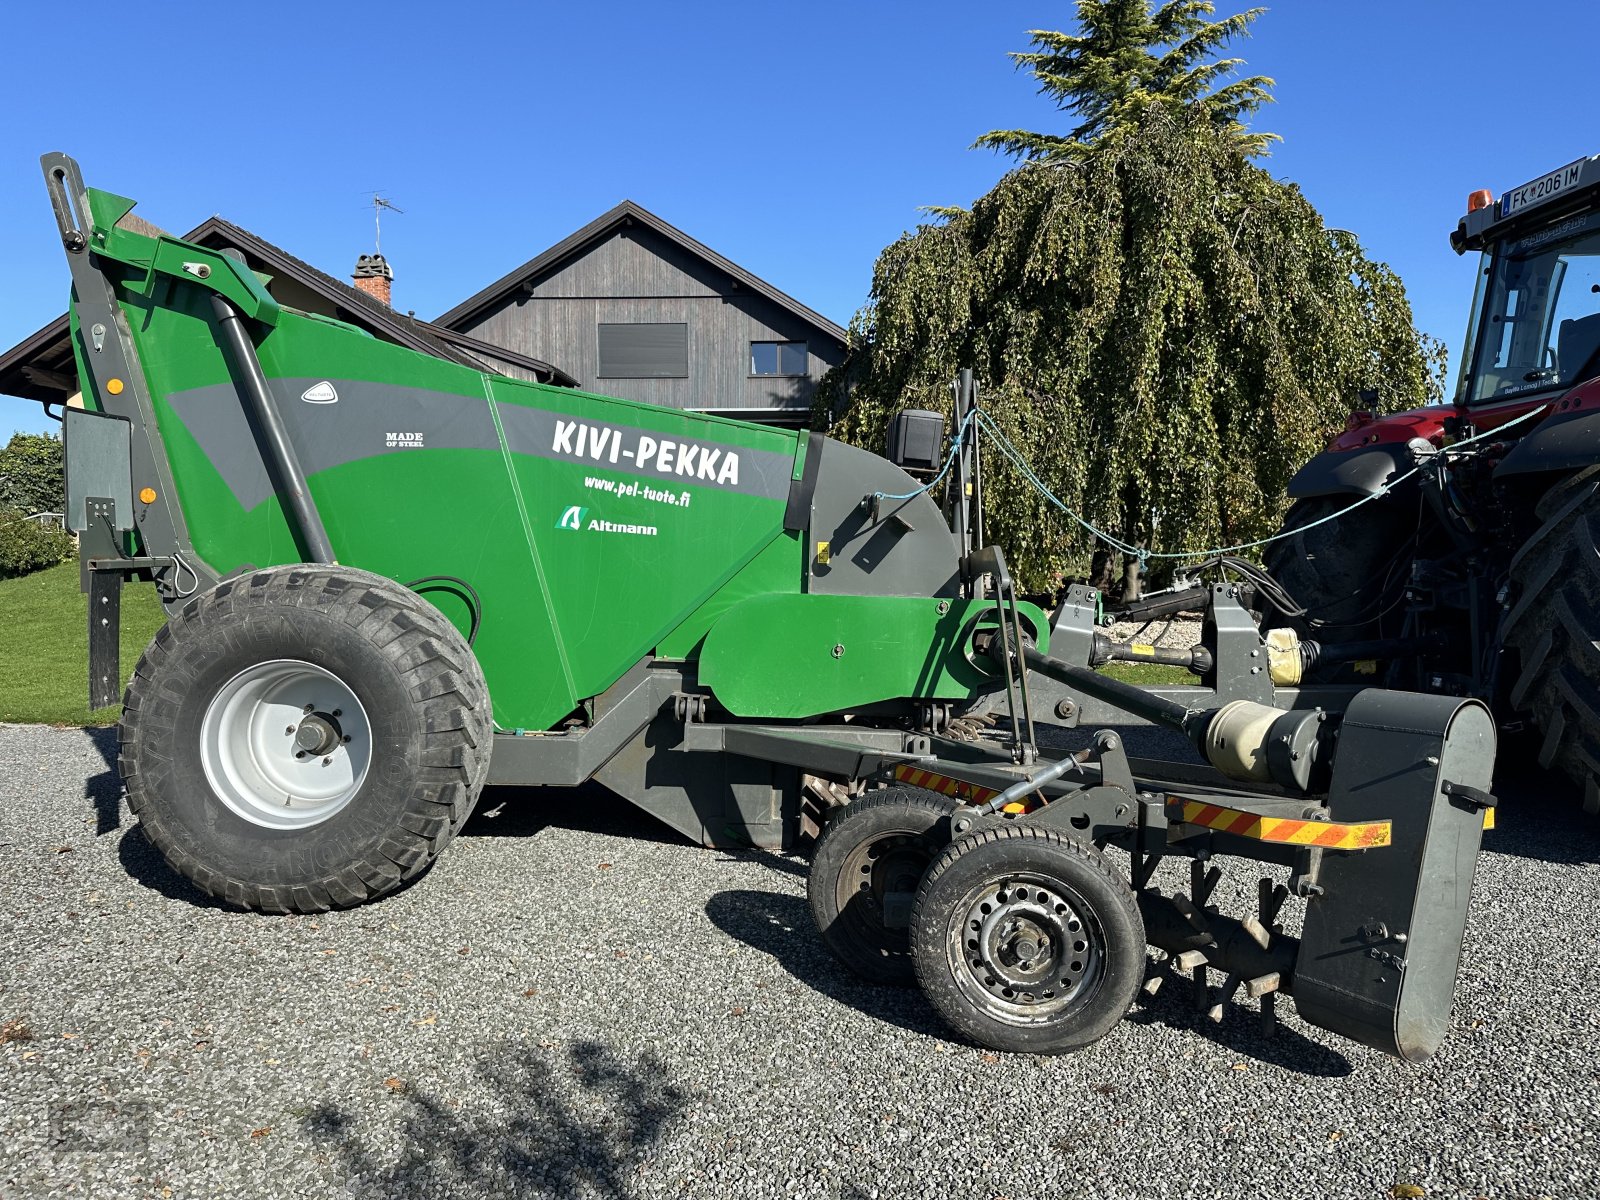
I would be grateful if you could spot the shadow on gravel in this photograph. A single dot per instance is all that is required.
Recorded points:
(1540, 816)
(524, 811)
(781, 926)
(1239, 1031)
(144, 865)
(535, 1125)
(104, 790)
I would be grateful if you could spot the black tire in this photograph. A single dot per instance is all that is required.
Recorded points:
(1342, 572)
(864, 877)
(424, 716)
(1028, 941)
(1554, 629)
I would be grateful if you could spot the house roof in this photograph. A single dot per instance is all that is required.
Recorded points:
(40, 367)
(604, 226)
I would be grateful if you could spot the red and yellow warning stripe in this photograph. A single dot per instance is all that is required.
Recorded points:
(1331, 834)
(971, 793)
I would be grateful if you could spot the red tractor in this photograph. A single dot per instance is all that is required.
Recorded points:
(1480, 545)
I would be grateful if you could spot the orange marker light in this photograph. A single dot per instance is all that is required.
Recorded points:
(1481, 198)
(147, 495)
(114, 386)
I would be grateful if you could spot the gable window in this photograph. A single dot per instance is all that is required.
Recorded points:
(657, 350)
(777, 358)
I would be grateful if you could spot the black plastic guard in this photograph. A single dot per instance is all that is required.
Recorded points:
(1381, 944)
(1349, 472)
(1564, 442)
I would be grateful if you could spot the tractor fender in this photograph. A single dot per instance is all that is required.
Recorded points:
(1350, 473)
(1563, 442)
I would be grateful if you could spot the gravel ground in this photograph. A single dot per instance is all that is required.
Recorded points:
(577, 1004)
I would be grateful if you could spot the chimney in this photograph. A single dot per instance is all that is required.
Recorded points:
(374, 276)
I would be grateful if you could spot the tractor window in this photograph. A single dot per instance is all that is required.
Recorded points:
(1538, 314)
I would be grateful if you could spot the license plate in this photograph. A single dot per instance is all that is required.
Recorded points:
(1546, 187)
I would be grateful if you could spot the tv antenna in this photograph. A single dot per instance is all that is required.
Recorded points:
(379, 203)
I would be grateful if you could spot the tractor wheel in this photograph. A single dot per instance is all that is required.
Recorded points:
(1554, 627)
(1027, 940)
(304, 738)
(864, 878)
(1342, 572)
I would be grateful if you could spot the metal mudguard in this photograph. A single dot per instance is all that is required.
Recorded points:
(1349, 472)
(1382, 942)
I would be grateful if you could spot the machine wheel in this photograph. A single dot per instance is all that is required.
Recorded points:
(1026, 940)
(304, 738)
(1554, 627)
(864, 879)
(1341, 572)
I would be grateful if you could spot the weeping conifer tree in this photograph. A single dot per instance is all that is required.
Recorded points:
(1164, 330)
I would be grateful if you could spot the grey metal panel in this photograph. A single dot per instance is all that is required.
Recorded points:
(365, 419)
(99, 454)
(652, 350)
(907, 550)
(1382, 943)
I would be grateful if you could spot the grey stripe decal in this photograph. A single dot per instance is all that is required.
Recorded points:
(565, 437)
(368, 419)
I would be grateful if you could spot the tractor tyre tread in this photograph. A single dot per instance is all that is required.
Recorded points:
(1554, 626)
(427, 655)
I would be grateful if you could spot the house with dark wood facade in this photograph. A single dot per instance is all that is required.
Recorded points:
(630, 306)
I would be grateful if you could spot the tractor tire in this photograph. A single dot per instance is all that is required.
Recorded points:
(1554, 629)
(1337, 571)
(1027, 940)
(864, 878)
(304, 738)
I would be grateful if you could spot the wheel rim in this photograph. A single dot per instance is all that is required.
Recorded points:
(1025, 948)
(285, 744)
(882, 875)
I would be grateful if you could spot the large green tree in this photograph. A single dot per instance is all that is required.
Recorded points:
(1162, 329)
(1127, 60)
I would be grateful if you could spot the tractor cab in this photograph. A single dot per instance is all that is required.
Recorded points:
(1534, 329)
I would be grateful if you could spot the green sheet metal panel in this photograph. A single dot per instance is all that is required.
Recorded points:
(802, 656)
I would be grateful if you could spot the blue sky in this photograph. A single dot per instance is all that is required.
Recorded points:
(798, 140)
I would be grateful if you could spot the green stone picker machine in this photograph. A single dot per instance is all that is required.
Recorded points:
(391, 580)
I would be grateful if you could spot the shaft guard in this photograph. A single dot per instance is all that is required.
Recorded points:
(1381, 944)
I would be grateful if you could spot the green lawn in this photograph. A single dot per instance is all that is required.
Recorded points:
(1149, 674)
(44, 646)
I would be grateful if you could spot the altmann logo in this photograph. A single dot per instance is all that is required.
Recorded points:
(692, 460)
(577, 518)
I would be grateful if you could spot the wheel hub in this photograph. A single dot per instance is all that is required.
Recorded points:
(318, 733)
